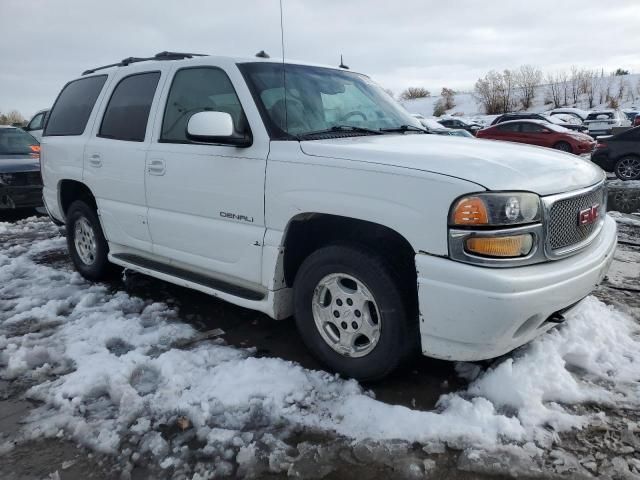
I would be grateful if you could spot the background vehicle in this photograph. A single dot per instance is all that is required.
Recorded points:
(576, 112)
(20, 181)
(323, 198)
(620, 154)
(36, 124)
(432, 126)
(636, 121)
(460, 124)
(602, 122)
(541, 133)
(538, 116)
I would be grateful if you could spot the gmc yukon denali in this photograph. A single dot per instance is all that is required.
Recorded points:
(306, 191)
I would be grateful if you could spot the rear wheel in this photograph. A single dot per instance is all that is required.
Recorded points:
(628, 168)
(563, 147)
(87, 246)
(351, 312)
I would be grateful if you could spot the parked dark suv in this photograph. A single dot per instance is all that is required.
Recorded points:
(620, 154)
(538, 116)
(20, 181)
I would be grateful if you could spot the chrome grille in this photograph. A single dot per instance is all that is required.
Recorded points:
(564, 229)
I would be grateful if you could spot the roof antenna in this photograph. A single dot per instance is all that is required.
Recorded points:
(262, 54)
(342, 65)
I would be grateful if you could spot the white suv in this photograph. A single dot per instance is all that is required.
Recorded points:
(327, 202)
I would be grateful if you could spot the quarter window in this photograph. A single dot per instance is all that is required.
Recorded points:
(73, 107)
(195, 90)
(127, 113)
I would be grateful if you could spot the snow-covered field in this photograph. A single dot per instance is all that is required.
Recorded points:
(127, 377)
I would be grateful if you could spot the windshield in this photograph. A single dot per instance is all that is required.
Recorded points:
(319, 99)
(14, 141)
(600, 116)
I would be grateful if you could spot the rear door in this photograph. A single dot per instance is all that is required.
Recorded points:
(114, 158)
(206, 201)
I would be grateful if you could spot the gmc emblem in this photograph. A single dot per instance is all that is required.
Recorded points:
(588, 215)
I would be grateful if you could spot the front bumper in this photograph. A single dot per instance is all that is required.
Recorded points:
(472, 313)
(12, 197)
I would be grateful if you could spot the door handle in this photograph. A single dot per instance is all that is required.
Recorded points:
(95, 160)
(156, 166)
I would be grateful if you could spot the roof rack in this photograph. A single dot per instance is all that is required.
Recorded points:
(158, 56)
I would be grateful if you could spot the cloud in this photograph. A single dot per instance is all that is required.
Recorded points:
(428, 43)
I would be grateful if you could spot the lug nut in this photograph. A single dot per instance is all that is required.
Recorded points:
(336, 313)
(354, 325)
(339, 302)
(357, 313)
(349, 302)
(344, 325)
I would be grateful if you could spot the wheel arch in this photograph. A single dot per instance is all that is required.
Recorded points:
(72, 190)
(306, 232)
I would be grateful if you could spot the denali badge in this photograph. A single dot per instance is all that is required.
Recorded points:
(588, 215)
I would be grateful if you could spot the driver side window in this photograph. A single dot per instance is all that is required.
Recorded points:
(195, 90)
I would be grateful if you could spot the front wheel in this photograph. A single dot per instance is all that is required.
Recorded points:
(351, 312)
(628, 168)
(563, 147)
(87, 246)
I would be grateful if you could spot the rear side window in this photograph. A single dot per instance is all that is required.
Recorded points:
(509, 127)
(73, 107)
(127, 113)
(600, 116)
(532, 128)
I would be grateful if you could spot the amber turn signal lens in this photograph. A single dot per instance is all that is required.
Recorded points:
(470, 211)
(35, 148)
(506, 247)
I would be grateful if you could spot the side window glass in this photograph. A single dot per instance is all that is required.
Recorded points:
(71, 112)
(127, 113)
(531, 128)
(509, 127)
(36, 122)
(195, 90)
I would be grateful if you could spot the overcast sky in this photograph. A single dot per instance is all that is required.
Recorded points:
(404, 43)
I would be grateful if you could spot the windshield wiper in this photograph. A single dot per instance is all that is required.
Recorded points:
(341, 128)
(404, 128)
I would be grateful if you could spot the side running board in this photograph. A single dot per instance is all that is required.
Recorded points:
(190, 276)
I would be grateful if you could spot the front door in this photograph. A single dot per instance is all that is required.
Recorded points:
(206, 202)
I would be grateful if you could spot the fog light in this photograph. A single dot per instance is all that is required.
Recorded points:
(505, 247)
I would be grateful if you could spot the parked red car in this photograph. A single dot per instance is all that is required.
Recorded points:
(537, 132)
(636, 121)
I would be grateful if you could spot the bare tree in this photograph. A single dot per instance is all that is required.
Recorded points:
(575, 81)
(448, 95)
(389, 92)
(414, 92)
(13, 117)
(527, 79)
(439, 108)
(554, 89)
(565, 86)
(495, 92)
(589, 85)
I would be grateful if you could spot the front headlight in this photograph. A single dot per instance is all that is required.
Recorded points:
(495, 209)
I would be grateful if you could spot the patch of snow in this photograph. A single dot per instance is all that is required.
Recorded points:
(625, 218)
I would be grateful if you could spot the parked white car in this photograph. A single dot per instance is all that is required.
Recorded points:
(329, 203)
(602, 122)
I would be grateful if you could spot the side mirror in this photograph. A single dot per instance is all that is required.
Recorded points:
(215, 127)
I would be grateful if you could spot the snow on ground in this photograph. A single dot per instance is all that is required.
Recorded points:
(112, 371)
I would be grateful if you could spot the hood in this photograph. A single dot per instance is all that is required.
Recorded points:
(13, 163)
(492, 164)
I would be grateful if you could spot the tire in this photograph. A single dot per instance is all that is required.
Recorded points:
(628, 168)
(563, 147)
(89, 253)
(354, 274)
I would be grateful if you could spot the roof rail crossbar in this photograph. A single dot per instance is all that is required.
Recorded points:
(158, 56)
